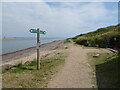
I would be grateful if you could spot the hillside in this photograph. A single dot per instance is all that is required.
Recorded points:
(108, 37)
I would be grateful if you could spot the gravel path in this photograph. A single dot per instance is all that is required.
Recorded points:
(76, 71)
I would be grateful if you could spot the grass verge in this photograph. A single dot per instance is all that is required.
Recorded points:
(106, 70)
(26, 76)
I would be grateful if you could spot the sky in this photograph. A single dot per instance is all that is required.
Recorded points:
(58, 19)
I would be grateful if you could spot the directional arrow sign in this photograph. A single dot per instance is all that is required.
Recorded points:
(42, 32)
(35, 31)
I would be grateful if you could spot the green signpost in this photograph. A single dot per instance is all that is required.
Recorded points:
(33, 31)
(38, 31)
(42, 32)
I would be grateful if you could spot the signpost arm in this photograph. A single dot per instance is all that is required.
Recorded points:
(38, 43)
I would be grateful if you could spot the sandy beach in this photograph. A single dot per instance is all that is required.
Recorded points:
(29, 54)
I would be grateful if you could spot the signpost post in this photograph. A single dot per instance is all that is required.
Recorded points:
(38, 44)
(38, 31)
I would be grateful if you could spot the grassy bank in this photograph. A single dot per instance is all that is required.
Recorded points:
(106, 70)
(26, 76)
(102, 37)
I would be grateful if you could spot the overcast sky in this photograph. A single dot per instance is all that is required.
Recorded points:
(57, 19)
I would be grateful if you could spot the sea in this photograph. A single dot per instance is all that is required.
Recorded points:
(11, 45)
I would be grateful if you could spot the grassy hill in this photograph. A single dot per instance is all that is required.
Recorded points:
(103, 37)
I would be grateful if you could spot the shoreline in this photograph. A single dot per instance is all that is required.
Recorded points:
(17, 51)
(7, 37)
(27, 48)
(27, 52)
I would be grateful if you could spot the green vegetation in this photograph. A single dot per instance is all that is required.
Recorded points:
(103, 37)
(26, 76)
(106, 69)
(67, 40)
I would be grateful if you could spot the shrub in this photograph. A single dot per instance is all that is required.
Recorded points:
(82, 41)
(92, 42)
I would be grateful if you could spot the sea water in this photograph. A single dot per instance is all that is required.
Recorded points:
(11, 45)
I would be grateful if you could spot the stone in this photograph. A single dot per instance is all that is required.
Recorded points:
(96, 55)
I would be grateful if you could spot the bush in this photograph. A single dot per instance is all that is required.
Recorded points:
(82, 41)
(92, 42)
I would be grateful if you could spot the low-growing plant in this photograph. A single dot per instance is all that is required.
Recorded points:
(33, 63)
(67, 41)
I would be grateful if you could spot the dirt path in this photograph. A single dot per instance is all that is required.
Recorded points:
(76, 71)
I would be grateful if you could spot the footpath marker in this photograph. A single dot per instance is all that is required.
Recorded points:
(38, 31)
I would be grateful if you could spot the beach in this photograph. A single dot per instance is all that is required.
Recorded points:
(29, 54)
